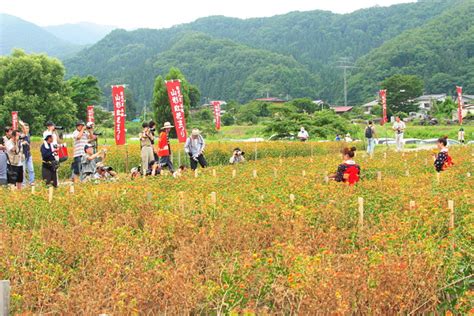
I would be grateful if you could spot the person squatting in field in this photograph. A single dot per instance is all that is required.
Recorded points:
(194, 147)
(442, 160)
(348, 171)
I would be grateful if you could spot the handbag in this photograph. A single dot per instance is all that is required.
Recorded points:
(12, 175)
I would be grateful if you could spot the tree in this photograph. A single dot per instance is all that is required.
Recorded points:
(305, 105)
(33, 85)
(402, 90)
(194, 96)
(161, 105)
(85, 92)
(444, 109)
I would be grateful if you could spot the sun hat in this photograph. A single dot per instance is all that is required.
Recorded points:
(167, 125)
(195, 132)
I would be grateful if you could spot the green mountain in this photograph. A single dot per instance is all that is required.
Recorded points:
(83, 33)
(441, 52)
(18, 33)
(295, 54)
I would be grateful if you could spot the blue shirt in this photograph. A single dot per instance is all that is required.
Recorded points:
(3, 165)
(47, 153)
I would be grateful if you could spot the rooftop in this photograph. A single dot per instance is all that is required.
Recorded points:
(341, 109)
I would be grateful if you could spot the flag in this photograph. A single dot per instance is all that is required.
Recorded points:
(383, 98)
(459, 91)
(14, 120)
(217, 113)
(118, 98)
(90, 114)
(177, 108)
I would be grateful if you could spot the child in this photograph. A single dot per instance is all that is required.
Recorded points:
(442, 160)
(348, 171)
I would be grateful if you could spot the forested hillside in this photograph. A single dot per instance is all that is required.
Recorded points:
(294, 54)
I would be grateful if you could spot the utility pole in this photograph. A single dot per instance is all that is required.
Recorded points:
(345, 63)
(144, 111)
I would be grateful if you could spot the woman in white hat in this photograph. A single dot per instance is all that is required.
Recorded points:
(164, 149)
(194, 147)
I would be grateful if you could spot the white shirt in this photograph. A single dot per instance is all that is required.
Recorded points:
(399, 126)
(303, 134)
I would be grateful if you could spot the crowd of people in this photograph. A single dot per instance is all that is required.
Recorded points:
(88, 163)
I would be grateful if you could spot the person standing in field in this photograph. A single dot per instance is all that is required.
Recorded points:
(81, 139)
(49, 166)
(347, 172)
(399, 128)
(194, 147)
(442, 160)
(15, 158)
(164, 148)
(28, 162)
(370, 136)
(146, 144)
(3, 164)
(461, 135)
(303, 134)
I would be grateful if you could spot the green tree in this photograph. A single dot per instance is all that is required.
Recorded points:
(161, 105)
(85, 92)
(34, 86)
(130, 105)
(402, 90)
(444, 109)
(305, 105)
(194, 96)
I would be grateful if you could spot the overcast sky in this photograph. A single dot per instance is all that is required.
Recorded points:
(159, 13)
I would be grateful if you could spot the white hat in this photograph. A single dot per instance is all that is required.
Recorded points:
(195, 132)
(167, 125)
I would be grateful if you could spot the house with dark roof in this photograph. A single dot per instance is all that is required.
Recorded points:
(341, 109)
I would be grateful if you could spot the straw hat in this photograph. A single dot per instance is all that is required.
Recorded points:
(167, 125)
(195, 132)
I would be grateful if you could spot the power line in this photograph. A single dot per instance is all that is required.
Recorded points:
(345, 63)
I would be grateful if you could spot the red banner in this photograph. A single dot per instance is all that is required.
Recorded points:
(118, 98)
(177, 107)
(383, 98)
(14, 120)
(460, 104)
(217, 113)
(90, 114)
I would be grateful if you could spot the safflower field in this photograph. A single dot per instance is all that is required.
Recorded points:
(271, 237)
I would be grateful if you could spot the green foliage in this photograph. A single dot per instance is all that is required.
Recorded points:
(444, 109)
(85, 92)
(323, 124)
(402, 90)
(227, 119)
(34, 86)
(304, 105)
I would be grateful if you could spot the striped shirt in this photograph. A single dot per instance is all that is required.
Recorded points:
(79, 144)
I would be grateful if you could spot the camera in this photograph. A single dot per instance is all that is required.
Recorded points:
(97, 133)
(152, 129)
(21, 137)
(59, 128)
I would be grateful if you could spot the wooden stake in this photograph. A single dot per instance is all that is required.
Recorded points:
(196, 173)
(385, 155)
(254, 173)
(407, 172)
(214, 174)
(468, 174)
(71, 188)
(292, 198)
(326, 179)
(275, 172)
(4, 297)
(213, 198)
(50, 194)
(379, 175)
(303, 173)
(234, 173)
(360, 201)
(181, 200)
(438, 177)
(281, 161)
(412, 205)
(311, 160)
(451, 214)
(33, 189)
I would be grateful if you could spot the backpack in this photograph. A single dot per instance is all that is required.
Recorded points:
(351, 174)
(448, 162)
(368, 132)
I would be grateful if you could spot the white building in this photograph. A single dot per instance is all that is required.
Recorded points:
(426, 102)
(369, 106)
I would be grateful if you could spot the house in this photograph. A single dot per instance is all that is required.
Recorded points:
(369, 106)
(341, 109)
(426, 102)
(466, 99)
(271, 100)
(466, 109)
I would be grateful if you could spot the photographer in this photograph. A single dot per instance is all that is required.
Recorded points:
(81, 139)
(194, 147)
(51, 129)
(50, 164)
(399, 128)
(164, 148)
(28, 163)
(15, 159)
(237, 156)
(104, 172)
(152, 126)
(146, 144)
(89, 162)
(94, 140)
(3, 164)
